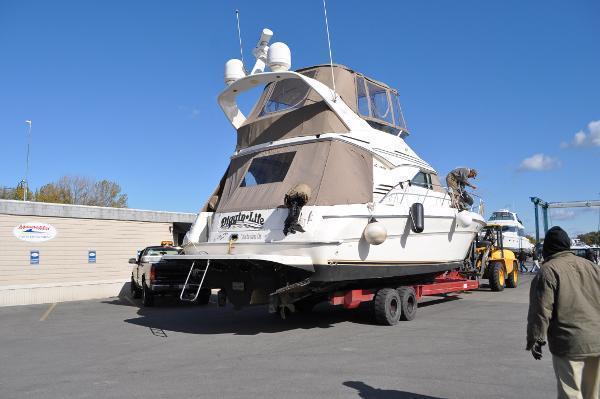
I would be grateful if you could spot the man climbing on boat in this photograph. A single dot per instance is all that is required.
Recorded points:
(457, 179)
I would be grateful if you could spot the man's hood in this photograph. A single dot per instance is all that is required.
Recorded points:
(556, 240)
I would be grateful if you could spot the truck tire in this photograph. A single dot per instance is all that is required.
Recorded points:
(147, 295)
(387, 306)
(204, 296)
(408, 302)
(513, 278)
(496, 276)
(134, 289)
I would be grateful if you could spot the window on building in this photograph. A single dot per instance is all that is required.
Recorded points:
(268, 169)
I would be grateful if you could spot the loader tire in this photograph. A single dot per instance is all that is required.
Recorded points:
(387, 307)
(408, 301)
(497, 277)
(513, 278)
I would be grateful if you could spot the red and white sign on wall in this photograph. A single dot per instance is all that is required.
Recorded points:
(34, 232)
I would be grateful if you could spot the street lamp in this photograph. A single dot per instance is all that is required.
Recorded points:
(25, 181)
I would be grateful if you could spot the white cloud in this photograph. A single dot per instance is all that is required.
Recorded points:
(539, 162)
(583, 139)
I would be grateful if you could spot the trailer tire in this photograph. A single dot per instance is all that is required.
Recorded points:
(408, 301)
(134, 289)
(497, 277)
(513, 278)
(204, 296)
(387, 306)
(147, 295)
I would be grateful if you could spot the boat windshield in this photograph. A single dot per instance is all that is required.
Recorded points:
(285, 95)
(379, 104)
(502, 216)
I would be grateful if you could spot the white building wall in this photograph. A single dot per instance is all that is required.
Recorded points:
(63, 272)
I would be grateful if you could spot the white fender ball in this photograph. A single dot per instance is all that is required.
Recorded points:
(464, 218)
(375, 233)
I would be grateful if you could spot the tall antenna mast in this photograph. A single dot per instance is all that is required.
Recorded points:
(237, 17)
(330, 56)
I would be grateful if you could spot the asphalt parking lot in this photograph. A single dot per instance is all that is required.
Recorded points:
(467, 346)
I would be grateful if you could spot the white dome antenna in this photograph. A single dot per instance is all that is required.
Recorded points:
(279, 57)
(234, 70)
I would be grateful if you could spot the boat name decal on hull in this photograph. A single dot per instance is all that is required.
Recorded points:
(243, 219)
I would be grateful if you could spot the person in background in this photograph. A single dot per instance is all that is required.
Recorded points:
(590, 255)
(536, 261)
(456, 180)
(564, 308)
(522, 257)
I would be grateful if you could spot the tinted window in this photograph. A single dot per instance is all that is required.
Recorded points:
(512, 229)
(380, 104)
(361, 93)
(422, 180)
(268, 169)
(501, 216)
(286, 94)
(161, 251)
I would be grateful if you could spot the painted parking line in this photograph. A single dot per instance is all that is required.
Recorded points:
(47, 313)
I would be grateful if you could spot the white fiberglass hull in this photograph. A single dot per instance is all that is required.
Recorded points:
(334, 235)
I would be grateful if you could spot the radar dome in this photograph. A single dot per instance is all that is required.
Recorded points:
(279, 57)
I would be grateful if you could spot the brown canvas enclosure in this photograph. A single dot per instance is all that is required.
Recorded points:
(290, 108)
(336, 172)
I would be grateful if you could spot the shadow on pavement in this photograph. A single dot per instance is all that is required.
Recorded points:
(171, 315)
(368, 392)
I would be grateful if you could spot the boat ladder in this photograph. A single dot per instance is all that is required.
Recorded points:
(191, 298)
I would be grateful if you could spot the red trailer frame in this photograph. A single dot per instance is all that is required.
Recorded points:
(444, 284)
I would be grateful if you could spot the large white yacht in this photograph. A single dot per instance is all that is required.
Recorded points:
(513, 231)
(322, 192)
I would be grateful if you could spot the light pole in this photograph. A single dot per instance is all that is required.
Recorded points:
(26, 181)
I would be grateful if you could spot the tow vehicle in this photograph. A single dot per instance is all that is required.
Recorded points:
(150, 278)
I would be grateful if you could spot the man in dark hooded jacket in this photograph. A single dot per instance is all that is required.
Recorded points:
(564, 306)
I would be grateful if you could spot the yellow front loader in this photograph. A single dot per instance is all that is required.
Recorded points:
(493, 261)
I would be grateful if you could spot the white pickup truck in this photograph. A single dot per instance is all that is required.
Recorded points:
(150, 278)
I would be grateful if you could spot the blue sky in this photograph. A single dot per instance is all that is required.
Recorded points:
(127, 90)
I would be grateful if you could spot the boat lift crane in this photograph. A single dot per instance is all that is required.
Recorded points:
(545, 205)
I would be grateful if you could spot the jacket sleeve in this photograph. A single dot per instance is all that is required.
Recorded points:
(541, 304)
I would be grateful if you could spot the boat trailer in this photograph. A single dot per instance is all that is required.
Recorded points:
(393, 304)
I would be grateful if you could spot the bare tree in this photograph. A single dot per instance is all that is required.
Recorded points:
(80, 190)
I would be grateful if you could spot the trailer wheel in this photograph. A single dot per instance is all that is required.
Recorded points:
(133, 288)
(408, 301)
(147, 295)
(496, 276)
(513, 278)
(204, 296)
(387, 306)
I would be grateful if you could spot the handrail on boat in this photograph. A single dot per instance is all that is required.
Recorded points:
(404, 184)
